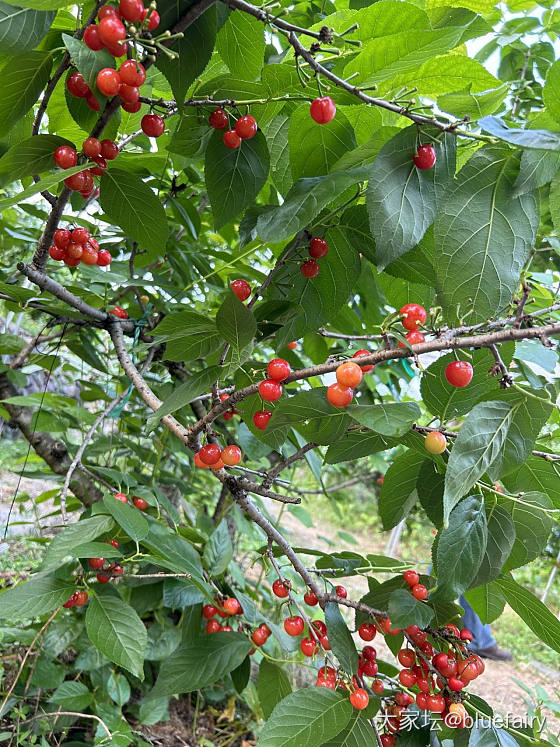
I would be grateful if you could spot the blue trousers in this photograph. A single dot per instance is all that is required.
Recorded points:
(482, 636)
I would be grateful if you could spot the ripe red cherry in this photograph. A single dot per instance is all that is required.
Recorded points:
(119, 312)
(310, 598)
(322, 110)
(246, 127)
(121, 497)
(340, 591)
(259, 636)
(103, 258)
(231, 455)
(74, 251)
(77, 182)
(466, 635)
(425, 157)
(152, 125)
(91, 147)
(71, 601)
(349, 374)
(96, 563)
(308, 646)
(325, 682)
(436, 703)
(419, 592)
(103, 578)
(412, 315)
(359, 699)
(107, 10)
(81, 598)
(309, 269)
(113, 543)
(406, 657)
(387, 740)
(89, 255)
(232, 606)
(108, 81)
(459, 373)
(411, 577)
(218, 119)
(360, 354)
(129, 94)
(56, 252)
(319, 627)
(270, 390)
(413, 338)
(117, 50)
(92, 102)
(292, 345)
(280, 589)
(407, 678)
(453, 629)
(132, 108)
(132, 73)
(77, 85)
(70, 262)
(111, 30)
(231, 139)
(367, 631)
(294, 625)
(261, 418)
(109, 150)
(318, 247)
(65, 157)
(116, 570)
(339, 396)
(131, 10)
(93, 39)
(153, 20)
(80, 235)
(140, 503)
(210, 453)
(377, 687)
(208, 611)
(370, 668)
(369, 653)
(213, 626)
(278, 369)
(455, 684)
(241, 288)
(62, 237)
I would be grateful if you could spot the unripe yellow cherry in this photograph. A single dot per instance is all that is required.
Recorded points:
(435, 442)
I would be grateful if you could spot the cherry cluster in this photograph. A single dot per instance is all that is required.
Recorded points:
(110, 32)
(230, 413)
(73, 247)
(213, 457)
(119, 312)
(111, 570)
(99, 151)
(317, 248)
(230, 607)
(244, 129)
(348, 376)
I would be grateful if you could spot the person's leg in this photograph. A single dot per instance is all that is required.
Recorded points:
(482, 635)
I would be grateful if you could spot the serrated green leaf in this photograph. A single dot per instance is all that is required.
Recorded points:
(188, 335)
(398, 492)
(405, 610)
(536, 139)
(235, 322)
(128, 518)
(536, 474)
(551, 91)
(195, 385)
(88, 62)
(340, 639)
(273, 686)
(218, 551)
(72, 696)
(487, 601)
(22, 28)
(21, 82)
(31, 156)
(311, 414)
(241, 44)
(315, 148)
(37, 596)
(391, 419)
(501, 536)
(76, 534)
(532, 527)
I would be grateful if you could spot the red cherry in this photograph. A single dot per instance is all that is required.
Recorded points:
(153, 21)
(453, 629)
(108, 81)
(56, 252)
(377, 687)
(132, 108)
(96, 563)
(117, 50)
(93, 39)
(213, 626)
(280, 589)
(406, 657)
(81, 598)
(259, 636)
(339, 396)
(359, 699)
(65, 157)
(261, 418)
(411, 578)
(425, 157)
(92, 102)
(369, 653)
(103, 258)
(246, 127)
(62, 237)
(74, 251)
(324, 682)
(132, 73)
(466, 635)
(131, 10)
(119, 312)
(318, 247)
(116, 570)
(129, 94)
(319, 627)
(231, 139)
(310, 269)
(322, 110)
(308, 646)
(412, 315)
(310, 598)
(241, 288)
(291, 345)
(231, 455)
(459, 373)
(77, 182)
(140, 503)
(113, 542)
(89, 256)
(367, 631)
(349, 374)
(413, 338)
(407, 678)
(210, 453)
(80, 235)
(370, 668)
(278, 369)
(360, 354)
(111, 30)
(232, 606)
(109, 150)
(107, 10)
(71, 601)
(422, 701)
(341, 592)
(91, 147)
(436, 703)
(455, 684)
(103, 578)
(270, 390)
(152, 125)
(218, 119)
(77, 85)
(294, 625)
(208, 611)
(387, 740)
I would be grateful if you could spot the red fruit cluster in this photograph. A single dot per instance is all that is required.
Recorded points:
(105, 573)
(212, 456)
(78, 599)
(317, 248)
(418, 591)
(348, 376)
(245, 128)
(73, 247)
(270, 389)
(228, 608)
(120, 313)
(230, 413)
(110, 31)
(100, 151)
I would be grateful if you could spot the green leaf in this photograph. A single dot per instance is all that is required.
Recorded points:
(235, 322)
(402, 201)
(314, 148)
(398, 492)
(430, 486)
(76, 534)
(234, 177)
(153, 710)
(193, 50)
(536, 139)
(392, 419)
(273, 686)
(116, 630)
(501, 536)
(241, 675)
(218, 551)
(72, 696)
(491, 736)
(201, 662)
(311, 414)
(21, 82)
(473, 104)
(128, 518)
(172, 550)
(195, 385)
(306, 718)
(487, 601)
(44, 184)
(356, 734)
(118, 688)
(181, 592)
(353, 445)
(536, 474)
(31, 156)
(405, 610)
(22, 28)
(35, 597)
(130, 203)
(304, 201)
(554, 201)
(340, 639)
(96, 550)
(460, 548)
(278, 146)
(163, 640)
(88, 62)
(240, 44)
(532, 528)
(532, 611)
(551, 91)
(483, 236)
(188, 336)
(478, 444)
(191, 135)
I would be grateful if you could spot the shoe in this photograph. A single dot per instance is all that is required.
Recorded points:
(495, 653)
